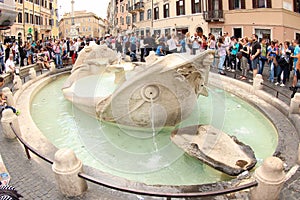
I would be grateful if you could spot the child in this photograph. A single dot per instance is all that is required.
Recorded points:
(3, 105)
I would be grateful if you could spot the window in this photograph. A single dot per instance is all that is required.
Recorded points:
(122, 9)
(122, 20)
(83, 29)
(20, 1)
(51, 22)
(156, 13)
(166, 11)
(37, 2)
(262, 3)
(46, 4)
(142, 16)
(297, 6)
(19, 17)
(66, 30)
(50, 6)
(42, 20)
(31, 19)
(133, 18)
(180, 9)
(128, 19)
(37, 20)
(196, 6)
(26, 18)
(43, 3)
(149, 14)
(90, 29)
(237, 4)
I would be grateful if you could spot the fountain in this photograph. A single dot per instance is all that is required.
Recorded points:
(161, 93)
(139, 155)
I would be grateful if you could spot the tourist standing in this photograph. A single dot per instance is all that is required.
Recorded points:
(263, 55)
(272, 54)
(57, 51)
(244, 59)
(255, 54)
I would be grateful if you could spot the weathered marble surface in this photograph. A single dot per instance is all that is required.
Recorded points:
(216, 148)
(161, 92)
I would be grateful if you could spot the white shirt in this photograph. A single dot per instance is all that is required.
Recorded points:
(8, 65)
(172, 44)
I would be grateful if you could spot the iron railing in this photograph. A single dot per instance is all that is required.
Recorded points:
(213, 15)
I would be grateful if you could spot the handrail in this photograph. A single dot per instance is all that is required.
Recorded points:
(277, 91)
(272, 88)
(162, 194)
(134, 191)
(28, 147)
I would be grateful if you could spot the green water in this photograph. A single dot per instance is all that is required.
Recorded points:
(152, 160)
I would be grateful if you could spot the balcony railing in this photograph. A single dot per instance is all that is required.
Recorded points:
(137, 7)
(46, 27)
(213, 15)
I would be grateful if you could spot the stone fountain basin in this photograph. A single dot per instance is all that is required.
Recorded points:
(274, 109)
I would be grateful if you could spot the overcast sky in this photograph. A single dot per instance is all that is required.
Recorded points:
(99, 7)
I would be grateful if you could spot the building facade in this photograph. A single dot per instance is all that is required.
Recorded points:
(86, 23)
(273, 19)
(35, 20)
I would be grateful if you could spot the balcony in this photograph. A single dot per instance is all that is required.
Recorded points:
(45, 27)
(213, 15)
(137, 7)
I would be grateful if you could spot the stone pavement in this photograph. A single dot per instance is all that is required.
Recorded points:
(34, 178)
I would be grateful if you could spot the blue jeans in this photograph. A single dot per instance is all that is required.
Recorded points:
(255, 63)
(262, 63)
(58, 60)
(2, 67)
(221, 63)
(272, 68)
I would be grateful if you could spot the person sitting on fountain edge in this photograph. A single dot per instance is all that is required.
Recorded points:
(160, 49)
(3, 104)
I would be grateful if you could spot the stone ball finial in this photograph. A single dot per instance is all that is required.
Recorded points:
(66, 160)
(297, 96)
(272, 170)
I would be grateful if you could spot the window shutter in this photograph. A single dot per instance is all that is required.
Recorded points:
(269, 3)
(209, 5)
(254, 4)
(230, 4)
(193, 6)
(220, 5)
(243, 4)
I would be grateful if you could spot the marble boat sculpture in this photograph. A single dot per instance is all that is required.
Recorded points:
(161, 92)
(215, 148)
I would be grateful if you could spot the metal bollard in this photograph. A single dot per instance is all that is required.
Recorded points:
(295, 104)
(270, 177)
(8, 116)
(257, 82)
(9, 97)
(17, 82)
(32, 74)
(66, 167)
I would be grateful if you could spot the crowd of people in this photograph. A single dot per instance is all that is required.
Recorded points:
(247, 54)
